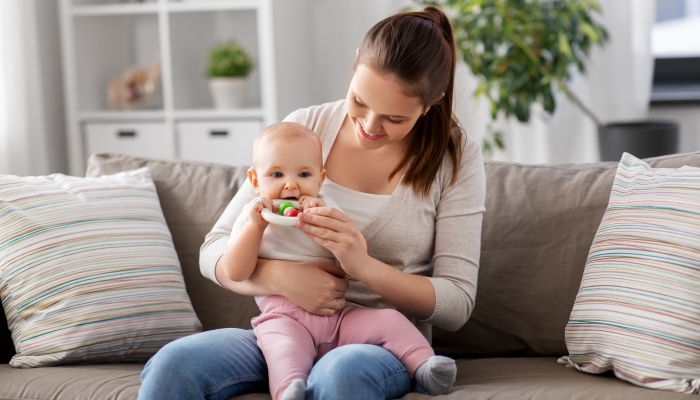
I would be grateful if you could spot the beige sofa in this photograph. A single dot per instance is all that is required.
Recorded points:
(538, 226)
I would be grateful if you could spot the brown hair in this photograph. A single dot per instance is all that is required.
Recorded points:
(418, 49)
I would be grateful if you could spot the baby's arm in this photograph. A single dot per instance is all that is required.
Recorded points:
(310, 202)
(241, 256)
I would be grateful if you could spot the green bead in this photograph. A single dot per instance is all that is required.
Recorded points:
(284, 205)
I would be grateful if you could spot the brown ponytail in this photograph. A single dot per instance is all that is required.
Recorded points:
(418, 48)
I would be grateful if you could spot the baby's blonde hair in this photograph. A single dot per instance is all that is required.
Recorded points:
(287, 131)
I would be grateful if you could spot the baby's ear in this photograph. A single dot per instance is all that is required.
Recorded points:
(253, 178)
(323, 178)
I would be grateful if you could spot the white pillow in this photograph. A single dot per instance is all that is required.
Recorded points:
(638, 309)
(88, 271)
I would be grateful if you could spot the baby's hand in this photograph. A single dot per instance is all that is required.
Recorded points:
(254, 215)
(310, 202)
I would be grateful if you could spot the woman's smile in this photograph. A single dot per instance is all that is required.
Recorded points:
(368, 136)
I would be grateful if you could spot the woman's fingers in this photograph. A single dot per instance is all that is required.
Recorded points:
(313, 286)
(335, 271)
(323, 226)
(336, 304)
(321, 235)
(330, 212)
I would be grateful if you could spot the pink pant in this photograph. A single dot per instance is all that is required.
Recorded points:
(292, 339)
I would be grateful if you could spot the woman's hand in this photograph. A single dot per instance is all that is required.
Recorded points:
(336, 232)
(317, 288)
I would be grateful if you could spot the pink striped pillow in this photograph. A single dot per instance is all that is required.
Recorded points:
(638, 309)
(88, 271)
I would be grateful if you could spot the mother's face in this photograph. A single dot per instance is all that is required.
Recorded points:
(379, 109)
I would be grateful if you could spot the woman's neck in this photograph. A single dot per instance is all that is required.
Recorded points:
(351, 165)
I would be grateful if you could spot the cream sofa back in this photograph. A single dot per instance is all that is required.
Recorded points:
(539, 224)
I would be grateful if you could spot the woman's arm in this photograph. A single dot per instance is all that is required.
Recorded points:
(458, 240)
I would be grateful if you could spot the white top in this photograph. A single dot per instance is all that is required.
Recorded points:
(361, 207)
(287, 243)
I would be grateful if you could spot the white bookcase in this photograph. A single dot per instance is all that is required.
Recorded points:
(102, 38)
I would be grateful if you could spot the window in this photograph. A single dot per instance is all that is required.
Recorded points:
(676, 49)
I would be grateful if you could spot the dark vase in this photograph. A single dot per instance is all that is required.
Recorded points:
(642, 139)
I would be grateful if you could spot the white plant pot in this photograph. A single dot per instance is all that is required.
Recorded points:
(228, 92)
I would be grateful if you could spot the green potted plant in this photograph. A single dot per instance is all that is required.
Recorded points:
(523, 50)
(228, 67)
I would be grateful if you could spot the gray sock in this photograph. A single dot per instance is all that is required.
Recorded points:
(295, 391)
(437, 375)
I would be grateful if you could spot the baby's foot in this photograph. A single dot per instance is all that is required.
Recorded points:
(436, 375)
(296, 390)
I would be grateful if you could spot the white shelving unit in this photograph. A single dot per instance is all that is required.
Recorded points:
(102, 38)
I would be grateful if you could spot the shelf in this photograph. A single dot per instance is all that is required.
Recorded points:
(106, 47)
(192, 6)
(195, 34)
(128, 115)
(115, 9)
(184, 115)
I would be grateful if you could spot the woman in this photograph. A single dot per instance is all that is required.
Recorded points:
(412, 185)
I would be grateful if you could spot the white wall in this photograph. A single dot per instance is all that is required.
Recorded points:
(334, 29)
(49, 38)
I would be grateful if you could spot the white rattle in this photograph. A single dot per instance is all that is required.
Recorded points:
(288, 211)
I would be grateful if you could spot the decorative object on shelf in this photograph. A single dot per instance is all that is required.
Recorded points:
(135, 88)
(229, 65)
(521, 49)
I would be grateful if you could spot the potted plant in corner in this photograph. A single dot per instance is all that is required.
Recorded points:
(522, 49)
(228, 68)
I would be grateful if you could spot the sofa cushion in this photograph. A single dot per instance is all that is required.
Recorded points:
(192, 195)
(71, 382)
(538, 228)
(539, 378)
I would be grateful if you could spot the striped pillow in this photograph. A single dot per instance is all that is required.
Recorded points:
(88, 271)
(638, 309)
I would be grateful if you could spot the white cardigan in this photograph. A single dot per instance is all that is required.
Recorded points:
(440, 240)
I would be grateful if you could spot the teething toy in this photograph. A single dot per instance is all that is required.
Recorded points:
(287, 212)
(284, 206)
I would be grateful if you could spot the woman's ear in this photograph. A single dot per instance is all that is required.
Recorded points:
(253, 178)
(428, 108)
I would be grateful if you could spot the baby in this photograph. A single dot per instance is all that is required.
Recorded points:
(288, 164)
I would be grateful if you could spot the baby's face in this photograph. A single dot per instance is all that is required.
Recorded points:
(288, 169)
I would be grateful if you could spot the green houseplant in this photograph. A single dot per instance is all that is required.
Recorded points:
(228, 67)
(523, 50)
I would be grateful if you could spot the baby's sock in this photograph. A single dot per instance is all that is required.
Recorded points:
(436, 375)
(296, 390)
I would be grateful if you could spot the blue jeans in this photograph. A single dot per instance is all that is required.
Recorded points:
(223, 363)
